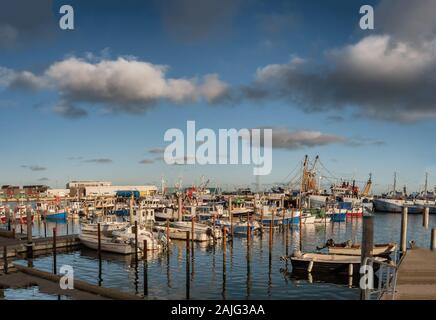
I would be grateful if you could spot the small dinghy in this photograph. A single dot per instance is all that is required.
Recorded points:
(347, 248)
(329, 263)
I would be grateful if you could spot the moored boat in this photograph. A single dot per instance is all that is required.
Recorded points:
(381, 250)
(326, 263)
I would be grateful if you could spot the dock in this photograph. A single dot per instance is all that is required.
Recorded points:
(16, 246)
(25, 277)
(416, 277)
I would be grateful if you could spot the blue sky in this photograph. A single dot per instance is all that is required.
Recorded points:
(232, 39)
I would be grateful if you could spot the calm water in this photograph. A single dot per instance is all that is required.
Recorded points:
(262, 276)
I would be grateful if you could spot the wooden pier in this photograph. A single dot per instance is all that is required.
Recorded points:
(25, 277)
(18, 246)
(416, 278)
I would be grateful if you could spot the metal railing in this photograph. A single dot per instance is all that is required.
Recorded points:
(386, 275)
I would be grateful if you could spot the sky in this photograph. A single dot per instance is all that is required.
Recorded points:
(95, 102)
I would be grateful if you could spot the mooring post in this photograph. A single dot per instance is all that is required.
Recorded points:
(433, 239)
(192, 230)
(21, 222)
(261, 220)
(231, 216)
(366, 248)
(8, 217)
(5, 259)
(54, 251)
(425, 217)
(271, 232)
(224, 240)
(99, 240)
(180, 208)
(188, 281)
(283, 218)
(248, 230)
(367, 237)
(403, 239)
(145, 257)
(136, 243)
(168, 233)
(29, 233)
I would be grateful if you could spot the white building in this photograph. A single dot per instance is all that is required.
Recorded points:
(58, 193)
(112, 190)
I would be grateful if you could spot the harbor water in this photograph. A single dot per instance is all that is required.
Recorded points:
(254, 272)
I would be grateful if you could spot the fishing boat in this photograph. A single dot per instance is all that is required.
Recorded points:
(239, 227)
(2, 213)
(388, 205)
(355, 212)
(107, 226)
(165, 214)
(326, 263)
(20, 214)
(339, 213)
(199, 228)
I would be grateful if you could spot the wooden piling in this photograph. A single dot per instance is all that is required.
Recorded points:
(54, 251)
(180, 208)
(145, 258)
(425, 217)
(136, 243)
(45, 224)
(99, 240)
(193, 229)
(8, 217)
(270, 233)
(283, 217)
(231, 216)
(224, 240)
(367, 237)
(433, 239)
(5, 260)
(403, 239)
(29, 232)
(188, 280)
(248, 230)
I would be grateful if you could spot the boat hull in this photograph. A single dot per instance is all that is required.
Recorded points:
(106, 245)
(380, 250)
(56, 216)
(388, 205)
(323, 267)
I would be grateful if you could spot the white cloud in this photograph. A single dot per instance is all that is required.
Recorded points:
(124, 84)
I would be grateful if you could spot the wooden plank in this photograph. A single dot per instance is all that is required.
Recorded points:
(417, 276)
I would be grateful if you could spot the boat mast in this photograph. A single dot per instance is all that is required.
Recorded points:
(395, 183)
(426, 184)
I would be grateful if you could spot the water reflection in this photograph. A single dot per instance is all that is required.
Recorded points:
(242, 271)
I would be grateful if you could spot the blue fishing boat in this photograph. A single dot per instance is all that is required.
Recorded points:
(339, 213)
(56, 216)
(121, 212)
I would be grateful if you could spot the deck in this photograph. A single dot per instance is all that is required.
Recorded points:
(416, 279)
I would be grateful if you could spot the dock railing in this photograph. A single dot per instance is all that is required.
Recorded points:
(387, 277)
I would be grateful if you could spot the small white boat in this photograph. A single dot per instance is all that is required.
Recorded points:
(122, 240)
(198, 227)
(326, 263)
(355, 250)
